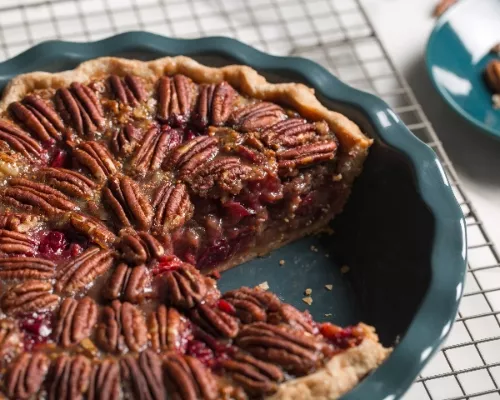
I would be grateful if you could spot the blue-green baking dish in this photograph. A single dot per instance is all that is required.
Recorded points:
(402, 233)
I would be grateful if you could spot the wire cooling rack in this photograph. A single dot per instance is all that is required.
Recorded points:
(338, 35)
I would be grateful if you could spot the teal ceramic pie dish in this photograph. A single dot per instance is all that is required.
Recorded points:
(402, 233)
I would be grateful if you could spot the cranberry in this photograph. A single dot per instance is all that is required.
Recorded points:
(37, 328)
(213, 255)
(201, 351)
(59, 159)
(53, 243)
(220, 350)
(342, 338)
(75, 249)
(190, 134)
(228, 308)
(236, 211)
(166, 264)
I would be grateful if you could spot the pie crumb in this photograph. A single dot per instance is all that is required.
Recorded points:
(314, 248)
(308, 300)
(337, 177)
(308, 292)
(263, 286)
(282, 262)
(328, 315)
(328, 287)
(344, 269)
(496, 101)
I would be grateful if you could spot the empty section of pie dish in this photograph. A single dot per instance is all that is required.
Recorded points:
(402, 234)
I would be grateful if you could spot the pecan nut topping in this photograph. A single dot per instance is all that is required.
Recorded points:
(252, 305)
(188, 379)
(16, 243)
(215, 104)
(31, 195)
(29, 296)
(139, 247)
(128, 202)
(97, 159)
(68, 377)
(185, 286)
(292, 132)
(92, 228)
(18, 222)
(19, 140)
(168, 329)
(25, 377)
(257, 116)
(128, 90)
(175, 98)
(289, 315)
(127, 283)
(105, 381)
(257, 377)
(294, 351)
(69, 182)
(306, 155)
(124, 140)
(75, 321)
(39, 118)
(80, 107)
(122, 326)
(11, 341)
(173, 207)
(23, 268)
(75, 275)
(214, 321)
(492, 75)
(144, 376)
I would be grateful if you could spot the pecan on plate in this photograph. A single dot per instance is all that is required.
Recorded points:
(26, 375)
(128, 90)
(257, 377)
(143, 375)
(31, 195)
(38, 117)
(185, 286)
(16, 243)
(68, 377)
(28, 296)
(305, 156)
(69, 182)
(11, 341)
(168, 329)
(19, 140)
(289, 315)
(18, 222)
(188, 379)
(214, 321)
(291, 132)
(176, 96)
(215, 104)
(124, 140)
(155, 146)
(92, 228)
(75, 275)
(75, 321)
(257, 116)
(294, 351)
(80, 108)
(23, 268)
(139, 247)
(492, 75)
(105, 381)
(95, 157)
(127, 283)
(128, 203)
(122, 326)
(252, 305)
(192, 155)
(172, 205)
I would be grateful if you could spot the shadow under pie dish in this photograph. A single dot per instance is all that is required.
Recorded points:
(129, 183)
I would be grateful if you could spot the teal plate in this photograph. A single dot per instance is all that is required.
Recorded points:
(457, 53)
(402, 233)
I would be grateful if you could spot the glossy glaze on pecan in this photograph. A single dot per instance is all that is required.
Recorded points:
(19, 140)
(143, 376)
(139, 247)
(12, 243)
(257, 116)
(11, 341)
(289, 315)
(26, 375)
(29, 296)
(92, 228)
(214, 321)
(124, 140)
(168, 329)
(105, 381)
(68, 378)
(291, 132)
(172, 205)
(185, 286)
(23, 268)
(252, 305)
(18, 222)
(175, 98)
(97, 159)
(127, 284)
(69, 182)
(305, 156)
(128, 90)
(215, 104)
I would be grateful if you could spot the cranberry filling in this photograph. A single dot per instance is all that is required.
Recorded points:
(166, 264)
(59, 159)
(209, 350)
(228, 308)
(36, 327)
(342, 338)
(60, 245)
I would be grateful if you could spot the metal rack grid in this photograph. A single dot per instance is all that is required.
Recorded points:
(338, 35)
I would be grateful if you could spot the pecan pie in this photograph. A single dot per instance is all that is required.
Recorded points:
(125, 186)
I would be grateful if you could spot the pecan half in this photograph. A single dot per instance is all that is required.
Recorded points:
(80, 107)
(75, 275)
(168, 329)
(252, 305)
(139, 247)
(192, 155)
(39, 118)
(492, 75)
(18, 222)
(257, 377)
(23, 268)
(124, 140)
(92, 228)
(185, 286)
(291, 132)
(97, 159)
(29, 296)
(155, 146)
(31, 195)
(144, 376)
(105, 381)
(122, 326)
(68, 378)
(75, 321)
(127, 283)
(215, 104)
(214, 321)
(11, 341)
(295, 352)
(19, 140)
(69, 182)
(128, 90)
(188, 379)
(175, 98)
(306, 155)
(257, 116)
(172, 205)
(128, 202)
(16, 243)
(289, 315)
(26, 375)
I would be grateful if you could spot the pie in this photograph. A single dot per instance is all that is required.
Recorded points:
(127, 187)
